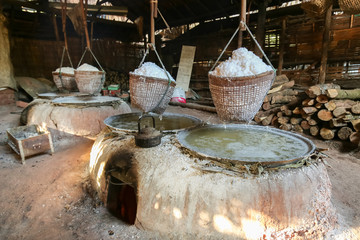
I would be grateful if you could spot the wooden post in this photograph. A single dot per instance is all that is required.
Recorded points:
(260, 30)
(242, 19)
(56, 31)
(153, 13)
(281, 47)
(63, 20)
(325, 45)
(85, 23)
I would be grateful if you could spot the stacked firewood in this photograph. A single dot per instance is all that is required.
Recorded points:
(324, 110)
(277, 105)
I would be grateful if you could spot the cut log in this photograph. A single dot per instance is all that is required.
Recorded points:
(280, 114)
(344, 93)
(309, 110)
(356, 124)
(350, 117)
(298, 128)
(258, 118)
(319, 105)
(283, 99)
(356, 108)
(346, 103)
(327, 133)
(337, 122)
(324, 115)
(285, 109)
(331, 105)
(355, 138)
(297, 111)
(274, 121)
(322, 99)
(305, 125)
(266, 106)
(339, 111)
(308, 102)
(281, 79)
(288, 112)
(282, 87)
(332, 93)
(344, 133)
(312, 122)
(283, 120)
(314, 130)
(286, 127)
(295, 120)
(267, 120)
(285, 92)
(317, 90)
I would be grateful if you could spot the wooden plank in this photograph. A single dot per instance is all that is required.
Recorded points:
(185, 67)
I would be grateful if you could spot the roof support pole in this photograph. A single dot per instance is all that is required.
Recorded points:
(282, 46)
(260, 29)
(153, 14)
(325, 45)
(242, 19)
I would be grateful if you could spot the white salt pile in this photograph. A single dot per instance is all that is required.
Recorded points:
(242, 63)
(149, 69)
(68, 70)
(87, 67)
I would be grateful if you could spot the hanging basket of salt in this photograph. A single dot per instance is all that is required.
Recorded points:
(151, 87)
(64, 77)
(239, 85)
(89, 79)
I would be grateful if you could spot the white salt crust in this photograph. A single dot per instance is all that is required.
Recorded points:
(87, 67)
(68, 70)
(242, 63)
(150, 69)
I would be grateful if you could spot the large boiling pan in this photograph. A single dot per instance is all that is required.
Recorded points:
(304, 146)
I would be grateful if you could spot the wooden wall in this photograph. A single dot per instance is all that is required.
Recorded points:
(302, 48)
(38, 58)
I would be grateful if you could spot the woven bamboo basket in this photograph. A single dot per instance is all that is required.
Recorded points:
(147, 92)
(239, 98)
(67, 81)
(350, 6)
(315, 8)
(90, 82)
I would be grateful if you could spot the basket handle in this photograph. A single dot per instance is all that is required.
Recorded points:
(254, 39)
(61, 63)
(157, 55)
(82, 57)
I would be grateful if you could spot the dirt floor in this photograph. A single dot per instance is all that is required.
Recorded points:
(49, 197)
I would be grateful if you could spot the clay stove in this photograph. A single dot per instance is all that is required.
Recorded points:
(70, 116)
(188, 187)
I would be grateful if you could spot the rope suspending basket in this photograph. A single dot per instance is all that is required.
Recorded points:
(63, 78)
(148, 93)
(239, 98)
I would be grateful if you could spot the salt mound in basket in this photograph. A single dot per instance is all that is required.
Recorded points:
(238, 85)
(64, 79)
(151, 88)
(89, 79)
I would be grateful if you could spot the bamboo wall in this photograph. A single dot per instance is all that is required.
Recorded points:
(38, 58)
(302, 49)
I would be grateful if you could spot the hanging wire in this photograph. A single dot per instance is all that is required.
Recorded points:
(217, 60)
(253, 38)
(258, 45)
